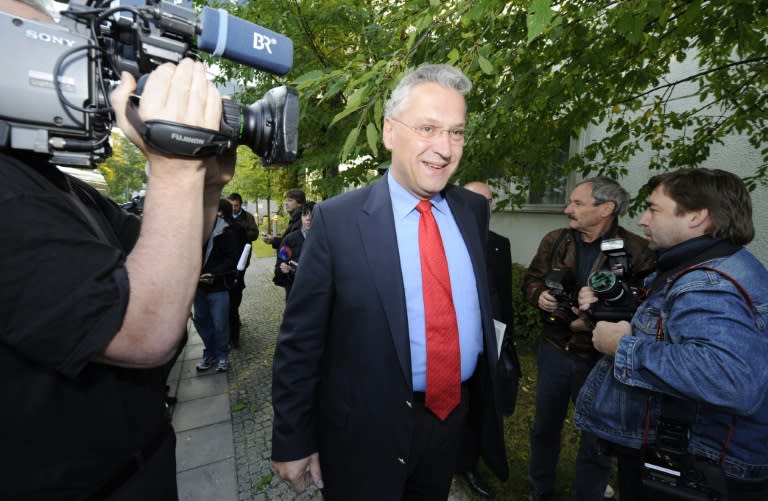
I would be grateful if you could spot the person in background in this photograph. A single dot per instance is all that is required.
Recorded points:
(565, 353)
(682, 387)
(290, 250)
(392, 282)
(499, 259)
(91, 308)
(247, 221)
(294, 199)
(219, 275)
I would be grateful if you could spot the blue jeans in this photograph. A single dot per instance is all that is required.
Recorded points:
(212, 323)
(559, 378)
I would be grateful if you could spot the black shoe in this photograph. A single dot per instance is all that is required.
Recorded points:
(477, 485)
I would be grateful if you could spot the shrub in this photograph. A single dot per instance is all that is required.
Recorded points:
(527, 318)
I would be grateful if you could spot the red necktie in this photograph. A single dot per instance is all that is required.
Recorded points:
(443, 360)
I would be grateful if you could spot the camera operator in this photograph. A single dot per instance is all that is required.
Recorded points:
(565, 354)
(686, 381)
(91, 308)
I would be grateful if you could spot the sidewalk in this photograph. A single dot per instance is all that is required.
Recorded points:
(223, 421)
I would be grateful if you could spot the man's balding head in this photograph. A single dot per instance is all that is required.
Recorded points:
(481, 189)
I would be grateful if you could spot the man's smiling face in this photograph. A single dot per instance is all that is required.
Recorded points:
(423, 166)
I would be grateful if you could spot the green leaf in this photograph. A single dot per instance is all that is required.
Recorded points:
(373, 138)
(485, 65)
(539, 16)
(349, 144)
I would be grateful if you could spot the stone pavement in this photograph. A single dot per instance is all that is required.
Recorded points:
(223, 422)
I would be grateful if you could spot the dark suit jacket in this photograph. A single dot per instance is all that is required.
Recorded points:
(500, 276)
(342, 369)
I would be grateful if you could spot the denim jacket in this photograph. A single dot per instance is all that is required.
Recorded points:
(714, 354)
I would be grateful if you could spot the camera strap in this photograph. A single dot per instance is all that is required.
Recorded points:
(177, 139)
(675, 415)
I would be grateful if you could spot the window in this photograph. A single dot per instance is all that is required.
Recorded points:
(554, 197)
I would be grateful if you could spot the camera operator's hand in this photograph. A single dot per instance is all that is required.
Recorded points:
(586, 298)
(174, 93)
(547, 301)
(606, 336)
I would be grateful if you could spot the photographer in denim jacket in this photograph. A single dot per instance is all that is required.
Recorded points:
(688, 377)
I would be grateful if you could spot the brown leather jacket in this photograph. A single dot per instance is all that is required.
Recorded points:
(564, 257)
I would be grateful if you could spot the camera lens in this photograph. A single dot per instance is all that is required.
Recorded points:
(606, 285)
(269, 126)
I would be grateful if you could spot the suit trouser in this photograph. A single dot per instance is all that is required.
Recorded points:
(430, 464)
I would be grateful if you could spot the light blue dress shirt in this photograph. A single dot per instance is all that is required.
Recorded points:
(463, 285)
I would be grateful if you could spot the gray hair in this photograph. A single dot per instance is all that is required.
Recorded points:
(441, 74)
(605, 189)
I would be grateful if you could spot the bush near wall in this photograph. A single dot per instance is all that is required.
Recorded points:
(527, 318)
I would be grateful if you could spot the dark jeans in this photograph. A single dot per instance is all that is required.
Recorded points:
(559, 378)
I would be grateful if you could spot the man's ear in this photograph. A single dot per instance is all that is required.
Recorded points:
(386, 134)
(607, 209)
(697, 218)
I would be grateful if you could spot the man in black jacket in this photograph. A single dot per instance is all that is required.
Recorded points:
(294, 199)
(499, 259)
(246, 221)
(220, 256)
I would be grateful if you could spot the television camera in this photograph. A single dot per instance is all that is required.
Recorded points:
(58, 78)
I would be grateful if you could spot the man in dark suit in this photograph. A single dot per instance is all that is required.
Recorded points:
(499, 258)
(349, 389)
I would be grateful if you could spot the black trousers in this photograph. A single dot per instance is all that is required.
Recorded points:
(431, 462)
(235, 298)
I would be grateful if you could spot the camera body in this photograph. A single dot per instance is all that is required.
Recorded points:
(58, 77)
(562, 286)
(617, 300)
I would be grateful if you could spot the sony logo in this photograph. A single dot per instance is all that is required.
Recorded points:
(47, 37)
(186, 139)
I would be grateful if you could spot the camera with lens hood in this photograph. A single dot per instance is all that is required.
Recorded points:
(562, 286)
(617, 300)
(58, 78)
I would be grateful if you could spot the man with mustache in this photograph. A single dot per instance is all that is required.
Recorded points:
(566, 354)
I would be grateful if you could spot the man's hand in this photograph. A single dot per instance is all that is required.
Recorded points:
(547, 302)
(267, 238)
(175, 93)
(586, 298)
(300, 473)
(606, 336)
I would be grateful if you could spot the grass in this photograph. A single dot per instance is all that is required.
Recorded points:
(260, 249)
(517, 429)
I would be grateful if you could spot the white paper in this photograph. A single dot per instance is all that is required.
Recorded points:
(500, 329)
(244, 257)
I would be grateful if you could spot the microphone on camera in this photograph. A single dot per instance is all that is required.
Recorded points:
(233, 38)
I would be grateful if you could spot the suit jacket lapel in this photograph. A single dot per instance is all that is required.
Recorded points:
(377, 227)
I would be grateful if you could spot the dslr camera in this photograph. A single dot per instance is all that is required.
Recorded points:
(562, 286)
(617, 300)
(58, 78)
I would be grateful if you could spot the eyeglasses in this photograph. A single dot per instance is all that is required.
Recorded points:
(430, 132)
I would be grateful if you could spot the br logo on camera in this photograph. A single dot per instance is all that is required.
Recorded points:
(260, 42)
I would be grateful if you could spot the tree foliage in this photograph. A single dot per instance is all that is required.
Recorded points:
(124, 170)
(543, 71)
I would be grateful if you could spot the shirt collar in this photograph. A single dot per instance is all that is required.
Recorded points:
(403, 201)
